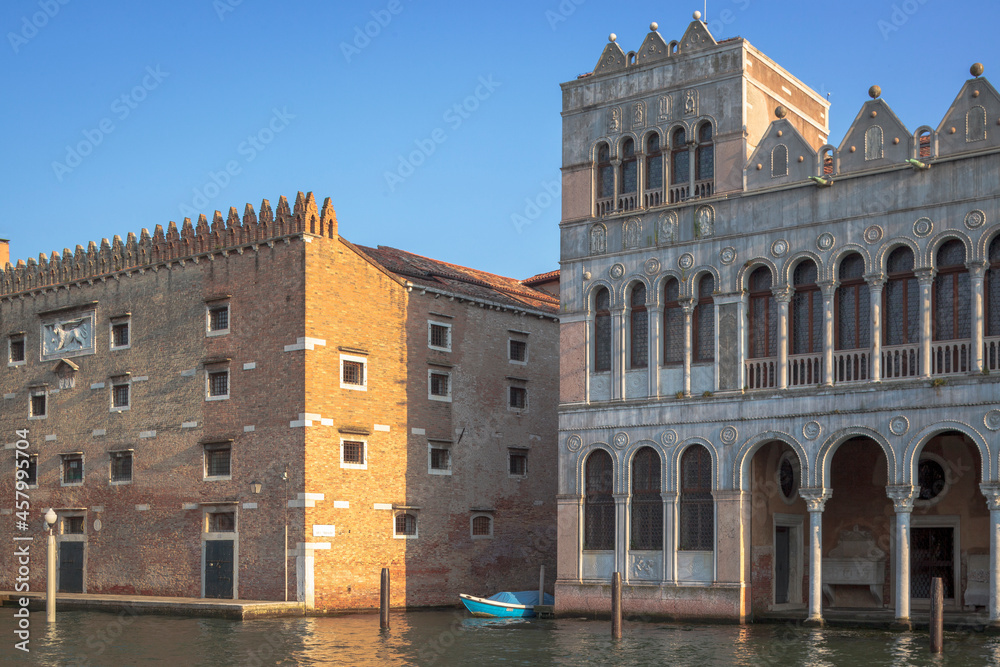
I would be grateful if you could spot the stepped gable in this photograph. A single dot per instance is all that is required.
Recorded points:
(876, 139)
(766, 166)
(461, 280)
(972, 122)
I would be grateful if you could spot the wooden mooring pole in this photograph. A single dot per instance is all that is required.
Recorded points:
(937, 615)
(541, 585)
(383, 615)
(616, 605)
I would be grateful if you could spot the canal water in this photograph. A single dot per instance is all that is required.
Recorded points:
(453, 638)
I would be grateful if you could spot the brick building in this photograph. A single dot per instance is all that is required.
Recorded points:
(201, 401)
(779, 354)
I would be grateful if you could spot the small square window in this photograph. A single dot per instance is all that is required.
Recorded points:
(518, 398)
(218, 460)
(518, 462)
(120, 334)
(218, 385)
(72, 469)
(353, 454)
(482, 526)
(120, 396)
(439, 459)
(218, 320)
(222, 522)
(16, 349)
(353, 373)
(518, 351)
(404, 526)
(32, 469)
(73, 525)
(439, 386)
(39, 405)
(439, 336)
(121, 467)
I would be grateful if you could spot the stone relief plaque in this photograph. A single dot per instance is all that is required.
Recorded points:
(975, 219)
(729, 371)
(68, 336)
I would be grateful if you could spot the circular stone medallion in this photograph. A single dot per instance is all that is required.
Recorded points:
(728, 434)
(574, 443)
(811, 430)
(779, 247)
(992, 420)
(975, 219)
(873, 234)
(668, 437)
(617, 271)
(685, 261)
(620, 440)
(652, 266)
(825, 241)
(923, 227)
(727, 255)
(899, 425)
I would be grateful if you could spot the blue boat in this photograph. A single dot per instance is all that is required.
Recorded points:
(505, 605)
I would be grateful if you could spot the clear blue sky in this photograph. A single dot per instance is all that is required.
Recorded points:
(333, 112)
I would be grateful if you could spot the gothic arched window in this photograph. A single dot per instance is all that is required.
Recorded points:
(705, 154)
(647, 503)
(697, 515)
(763, 315)
(673, 325)
(779, 161)
(703, 321)
(952, 294)
(599, 504)
(901, 300)
(605, 172)
(654, 163)
(806, 321)
(853, 304)
(602, 330)
(629, 175)
(993, 290)
(680, 158)
(638, 328)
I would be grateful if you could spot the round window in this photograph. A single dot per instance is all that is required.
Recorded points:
(788, 476)
(931, 477)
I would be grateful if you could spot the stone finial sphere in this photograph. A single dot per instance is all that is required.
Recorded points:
(874, 92)
(653, 26)
(612, 37)
(977, 69)
(697, 16)
(780, 112)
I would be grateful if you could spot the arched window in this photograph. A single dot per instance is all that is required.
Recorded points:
(806, 321)
(697, 515)
(680, 159)
(673, 325)
(638, 328)
(763, 315)
(406, 525)
(605, 173)
(703, 321)
(779, 161)
(975, 124)
(599, 504)
(952, 294)
(647, 503)
(901, 300)
(654, 171)
(924, 144)
(629, 176)
(826, 159)
(705, 154)
(873, 143)
(482, 526)
(993, 291)
(602, 330)
(853, 304)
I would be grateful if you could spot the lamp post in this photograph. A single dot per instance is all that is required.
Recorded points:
(255, 487)
(50, 573)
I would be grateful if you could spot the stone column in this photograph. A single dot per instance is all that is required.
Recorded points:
(976, 272)
(655, 347)
(815, 502)
(687, 306)
(926, 279)
(829, 288)
(616, 167)
(902, 498)
(669, 536)
(875, 283)
(992, 493)
(783, 295)
(692, 153)
(621, 534)
(618, 354)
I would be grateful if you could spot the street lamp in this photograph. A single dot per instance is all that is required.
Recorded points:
(255, 487)
(50, 573)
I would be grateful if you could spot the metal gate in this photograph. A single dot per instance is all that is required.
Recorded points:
(932, 554)
(219, 569)
(781, 564)
(71, 567)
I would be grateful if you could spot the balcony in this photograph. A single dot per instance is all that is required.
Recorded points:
(900, 361)
(805, 369)
(761, 373)
(851, 366)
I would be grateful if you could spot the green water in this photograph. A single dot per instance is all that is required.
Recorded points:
(453, 638)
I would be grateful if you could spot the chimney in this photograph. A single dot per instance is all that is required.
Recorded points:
(4, 253)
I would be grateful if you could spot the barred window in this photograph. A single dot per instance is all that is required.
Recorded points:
(17, 349)
(518, 350)
(218, 318)
(647, 504)
(72, 468)
(673, 325)
(222, 522)
(599, 504)
(697, 512)
(654, 163)
(354, 372)
(73, 525)
(482, 526)
(406, 525)
(439, 336)
(763, 315)
(629, 168)
(39, 404)
(517, 460)
(439, 384)
(602, 331)
(853, 305)
(638, 328)
(353, 452)
(218, 384)
(680, 158)
(120, 334)
(705, 154)
(993, 289)
(952, 293)
(121, 466)
(518, 399)
(440, 458)
(120, 396)
(806, 321)
(605, 173)
(703, 321)
(901, 300)
(217, 460)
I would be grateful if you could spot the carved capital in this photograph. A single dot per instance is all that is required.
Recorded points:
(992, 492)
(875, 280)
(782, 294)
(828, 287)
(728, 495)
(977, 268)
(815, 498)
(669, 497)
(902, 497)
(687, 304)
(925, 276)
(620, 498)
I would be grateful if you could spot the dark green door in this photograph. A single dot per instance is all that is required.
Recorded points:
(219, 569)
(71, 567)
(781, 563)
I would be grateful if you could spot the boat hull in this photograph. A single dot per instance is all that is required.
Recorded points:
(492, 609)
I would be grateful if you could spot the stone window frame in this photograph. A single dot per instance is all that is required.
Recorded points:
(949, 480)
(481, 514)
(439, 444)
(354, 358)
(64, 459)
(213, 307)
(364, 452)
(446, 397)
(36, 392)
(115, 324)
(401, 512)
(118, 382)
(17, 337)
(521, 452)
(63, 531)
(120, 453)
(430, 335)
(213, 371)
(792, 458)
(216, 447)
(517, 388)
(510, 351)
